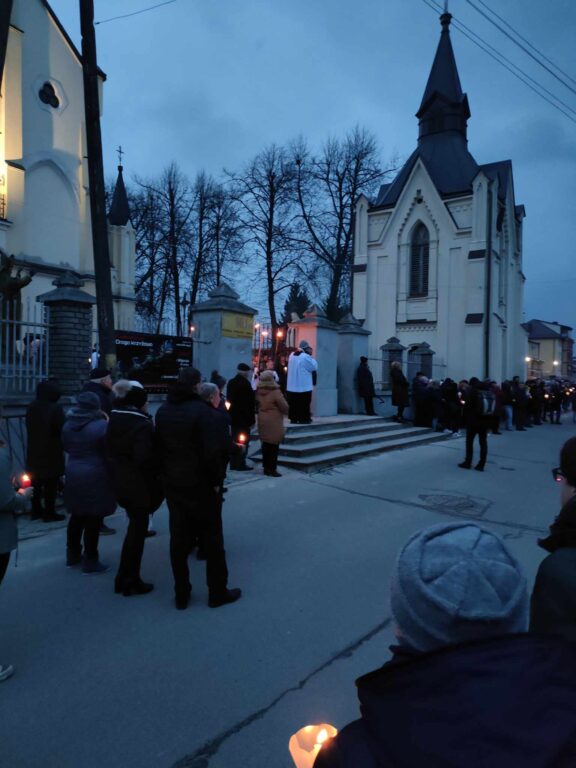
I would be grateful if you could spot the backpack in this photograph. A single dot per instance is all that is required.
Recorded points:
(485, 403)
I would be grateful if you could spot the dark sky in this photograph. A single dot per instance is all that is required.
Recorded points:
(210, 83)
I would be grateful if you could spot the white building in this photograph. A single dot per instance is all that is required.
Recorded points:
(44, 195)
(438, 255)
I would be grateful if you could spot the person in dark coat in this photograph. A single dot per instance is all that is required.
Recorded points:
(400, 390)
(44, 453)
(242, 399)
(136, 475)
(467, 686)
(88, 492)
(192, 443)
(477, 423)
(449, 392)
(101, 384)
(11, 503)
(553, 604)
(365, 382)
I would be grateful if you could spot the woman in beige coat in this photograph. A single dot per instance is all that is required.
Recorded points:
(272, 407)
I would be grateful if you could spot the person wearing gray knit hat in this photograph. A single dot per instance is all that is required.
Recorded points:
(457, 582)
(468, 686)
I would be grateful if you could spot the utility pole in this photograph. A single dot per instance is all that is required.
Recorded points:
(104, 304)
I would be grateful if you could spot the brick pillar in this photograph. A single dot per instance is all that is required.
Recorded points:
(70, 337)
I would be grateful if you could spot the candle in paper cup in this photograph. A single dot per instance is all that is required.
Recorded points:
(305, 744)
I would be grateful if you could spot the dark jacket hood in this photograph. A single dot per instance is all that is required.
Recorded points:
(508, 701)
(179, 392)
(563, 529)
(78, 418)
(48, 392)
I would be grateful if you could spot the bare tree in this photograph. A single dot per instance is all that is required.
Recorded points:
(327, 187)
(264, 191)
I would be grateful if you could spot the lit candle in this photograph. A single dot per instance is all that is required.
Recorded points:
(227, 404)
(305, 744)
(25, 481)
(241, 438)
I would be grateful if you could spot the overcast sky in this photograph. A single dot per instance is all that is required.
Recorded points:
(209, 83)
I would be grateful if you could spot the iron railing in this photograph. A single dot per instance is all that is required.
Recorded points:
(24, 331)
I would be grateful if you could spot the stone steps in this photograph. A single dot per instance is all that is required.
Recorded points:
(309, 448)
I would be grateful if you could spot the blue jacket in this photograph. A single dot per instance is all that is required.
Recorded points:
(88, 489)
(507, 702)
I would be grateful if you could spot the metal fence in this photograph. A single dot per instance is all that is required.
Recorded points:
(13, 434)
(24, 331)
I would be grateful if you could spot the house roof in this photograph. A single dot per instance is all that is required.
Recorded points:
(540, 329)
(119, 213)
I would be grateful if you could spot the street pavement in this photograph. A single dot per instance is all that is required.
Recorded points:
(104, 681)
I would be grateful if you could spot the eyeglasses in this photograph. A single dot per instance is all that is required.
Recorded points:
(558, 475)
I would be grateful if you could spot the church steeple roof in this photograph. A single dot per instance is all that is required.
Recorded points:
(119, 213)
(444, 106)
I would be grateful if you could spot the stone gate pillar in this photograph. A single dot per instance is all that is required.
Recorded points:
(322, 335)
(70, 336)
(223, 332)
(352, 344)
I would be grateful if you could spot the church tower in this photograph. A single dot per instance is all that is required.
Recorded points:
(122, 243)
(437, 273)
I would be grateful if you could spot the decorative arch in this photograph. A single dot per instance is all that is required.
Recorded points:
(419, 261)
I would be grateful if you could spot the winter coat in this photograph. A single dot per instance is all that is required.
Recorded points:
(365, 381)
(242, 401)
(105, 395)
(553, 603)
(272, 407)
(497, 703)
(88, 489)
(301, 370)
(191, 439)
(400, 388)
(10, 503)
(44, 422)
(135, 459)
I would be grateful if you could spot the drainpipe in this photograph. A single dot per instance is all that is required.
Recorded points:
(488, 305)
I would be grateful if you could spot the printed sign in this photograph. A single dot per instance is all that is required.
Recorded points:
(235, 326)
(153, 360)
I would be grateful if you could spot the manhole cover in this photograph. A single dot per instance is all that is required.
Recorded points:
(462, 505)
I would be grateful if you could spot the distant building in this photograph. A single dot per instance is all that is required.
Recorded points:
(438, 255)
(550, 349)
(44, 196)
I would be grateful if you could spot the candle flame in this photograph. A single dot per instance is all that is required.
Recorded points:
(241, 438)
(25, 480)
(322, 736)
(227, 405)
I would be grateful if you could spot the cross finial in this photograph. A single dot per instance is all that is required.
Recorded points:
(446, 6)
(120, 152)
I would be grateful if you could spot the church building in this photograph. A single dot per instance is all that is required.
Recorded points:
(437, 274)
(44, 192)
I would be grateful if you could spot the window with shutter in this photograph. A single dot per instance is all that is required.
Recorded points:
(419, 262)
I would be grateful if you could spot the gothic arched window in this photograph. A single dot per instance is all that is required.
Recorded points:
(419, 262)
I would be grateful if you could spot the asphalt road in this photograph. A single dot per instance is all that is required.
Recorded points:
(104, 681)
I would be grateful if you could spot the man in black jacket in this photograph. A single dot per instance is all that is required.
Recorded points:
(467, 686)
(190, 441)
(242, 412)
(479, 409)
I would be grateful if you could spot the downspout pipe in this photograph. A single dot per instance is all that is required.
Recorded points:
(488, 296)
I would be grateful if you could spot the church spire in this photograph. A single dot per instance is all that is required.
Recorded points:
(444, 106)
(119, 213)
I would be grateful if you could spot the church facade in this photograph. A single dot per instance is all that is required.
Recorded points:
(437, 274)
(44, 193)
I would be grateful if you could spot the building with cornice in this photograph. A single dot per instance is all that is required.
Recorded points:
(437, 275)
(44, 192)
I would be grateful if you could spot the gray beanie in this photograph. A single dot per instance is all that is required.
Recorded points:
(88, 401)
(455, 583)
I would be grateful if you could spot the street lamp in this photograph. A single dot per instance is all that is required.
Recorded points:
(527, 359)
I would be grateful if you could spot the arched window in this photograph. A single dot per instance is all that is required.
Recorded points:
(419, 261)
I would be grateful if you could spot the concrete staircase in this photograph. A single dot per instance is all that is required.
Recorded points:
(326, 442)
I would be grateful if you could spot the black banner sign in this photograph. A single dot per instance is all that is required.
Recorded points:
(153, 360)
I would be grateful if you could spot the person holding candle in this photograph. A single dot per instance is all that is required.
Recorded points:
(11, 503)
(44, 453)
(467, 685)
(192, 443)
(242, 412)
(272, 407)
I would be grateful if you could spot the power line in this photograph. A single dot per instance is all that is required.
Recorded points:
(534, 85)
(523, 47)
(135, 13)
(534, 48)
